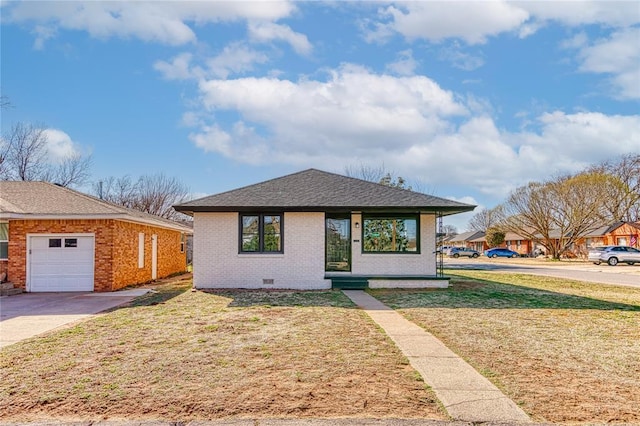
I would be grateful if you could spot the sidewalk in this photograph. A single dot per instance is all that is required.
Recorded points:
(465, 393)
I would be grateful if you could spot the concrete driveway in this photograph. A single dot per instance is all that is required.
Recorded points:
(29, 314)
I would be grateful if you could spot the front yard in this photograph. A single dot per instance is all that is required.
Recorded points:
(182, 355)
(567, 352)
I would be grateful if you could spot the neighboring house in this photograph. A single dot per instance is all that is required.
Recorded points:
(512, 241)
(467, 239)
(57, 239)
(317, 230)
(618, 233)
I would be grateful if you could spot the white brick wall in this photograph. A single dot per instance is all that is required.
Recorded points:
(396, 264)
(217, 263)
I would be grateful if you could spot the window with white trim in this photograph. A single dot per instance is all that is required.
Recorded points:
(4, 241)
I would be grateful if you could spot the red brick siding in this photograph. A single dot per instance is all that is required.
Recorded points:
(125, 253)
(116, 250)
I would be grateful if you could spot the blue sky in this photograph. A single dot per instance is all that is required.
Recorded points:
(465, 100)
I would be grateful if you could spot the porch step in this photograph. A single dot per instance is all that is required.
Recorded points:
(349, 283)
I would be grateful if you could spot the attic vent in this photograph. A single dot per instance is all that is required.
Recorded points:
(267, 281)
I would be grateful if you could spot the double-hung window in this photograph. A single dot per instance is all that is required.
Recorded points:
(4, 241)
(261, 233)
(391, 234)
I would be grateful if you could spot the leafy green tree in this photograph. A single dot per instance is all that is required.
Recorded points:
(494, 237)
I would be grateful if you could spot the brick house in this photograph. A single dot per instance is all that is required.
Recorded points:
(616, 234)
(57, 239)
(317, 230)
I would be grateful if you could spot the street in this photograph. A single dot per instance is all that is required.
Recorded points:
(623, 274)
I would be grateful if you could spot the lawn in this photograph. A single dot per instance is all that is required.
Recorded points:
(567, 352)
(181, 355)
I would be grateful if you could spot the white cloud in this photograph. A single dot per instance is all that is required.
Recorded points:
(410, 124)
(164, 22)
(461, 220)
(179, 68)
(584, 12)
(59, 145)
(476, 21)
(268, 31)
(404, 65)
(471, 21)
(460, 59)
(617, 55)
(235, 59)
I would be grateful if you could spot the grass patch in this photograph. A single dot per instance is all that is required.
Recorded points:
(186, 355)
(567, 351)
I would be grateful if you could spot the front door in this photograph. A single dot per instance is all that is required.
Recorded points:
(338, 243)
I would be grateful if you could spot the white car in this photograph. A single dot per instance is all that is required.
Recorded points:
(614, 255)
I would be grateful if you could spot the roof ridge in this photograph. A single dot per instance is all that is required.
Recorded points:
(113, 206)
(87, 196)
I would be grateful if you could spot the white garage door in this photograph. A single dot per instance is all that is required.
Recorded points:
(61, 263)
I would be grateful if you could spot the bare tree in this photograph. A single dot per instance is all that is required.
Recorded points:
(24, 155)
(73, 170)
(449, 230)
(623, 202)
(557, 213)
(121, 191)
(4, 102)
(367, 172)
(154, 194)
(485, 219)
(158, 193)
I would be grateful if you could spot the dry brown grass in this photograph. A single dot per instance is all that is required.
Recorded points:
(567, 352)
(186, 355)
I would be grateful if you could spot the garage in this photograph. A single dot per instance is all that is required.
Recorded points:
(60, 262)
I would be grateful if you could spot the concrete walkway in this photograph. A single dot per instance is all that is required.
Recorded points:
(26, 315)
(465, 393)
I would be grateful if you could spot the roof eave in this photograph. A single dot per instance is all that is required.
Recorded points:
(443, 210)
(111, 216)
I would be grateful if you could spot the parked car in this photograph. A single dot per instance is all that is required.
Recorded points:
(443, 249)
(501, 252)
(614, 255)
(463, 251)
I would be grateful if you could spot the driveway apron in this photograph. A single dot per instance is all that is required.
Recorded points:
(29, 314)
(465, 393)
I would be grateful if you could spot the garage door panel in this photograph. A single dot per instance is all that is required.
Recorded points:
(61, 263)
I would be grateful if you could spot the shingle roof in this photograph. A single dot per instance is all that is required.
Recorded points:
(316, 190)
(30, 199)
(467, 236)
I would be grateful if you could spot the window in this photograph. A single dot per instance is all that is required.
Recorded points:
(182, 240)
(390, 234)
(261, 233)
(71, 242)
(140, 250)
(55, 242)
(4, 240)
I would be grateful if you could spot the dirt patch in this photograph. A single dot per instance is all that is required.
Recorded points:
(189, 355)
(567, 352)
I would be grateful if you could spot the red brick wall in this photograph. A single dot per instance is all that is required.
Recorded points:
(116, 250)
(102, 229)
(125, 253)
